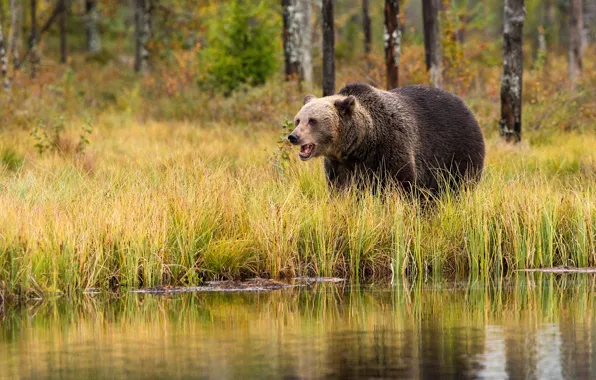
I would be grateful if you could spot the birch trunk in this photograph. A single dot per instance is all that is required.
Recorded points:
(306, 41)
(328, 49)
(290, 38)
(3, 60)
(576, 28)
(511, 82)
(392, 43)
(92, 32)
(143, 9)
(297, 38)
(432, 43)
(16, 13)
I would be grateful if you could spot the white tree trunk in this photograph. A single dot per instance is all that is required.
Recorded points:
(305, 7)
(298, 39)
(91, 18)
(511, 82)
(143, 10)
(16, 13)
(3, 60)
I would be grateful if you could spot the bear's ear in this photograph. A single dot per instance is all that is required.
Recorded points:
(308, 98)
(345, 106)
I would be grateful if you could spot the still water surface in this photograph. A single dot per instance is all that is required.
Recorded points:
(529, 326)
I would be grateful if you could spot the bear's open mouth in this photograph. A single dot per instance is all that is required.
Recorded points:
(306, 151)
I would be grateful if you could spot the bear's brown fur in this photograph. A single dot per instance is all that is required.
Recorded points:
(416, 136)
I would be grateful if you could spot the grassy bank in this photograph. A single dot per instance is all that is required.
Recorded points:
(169, 204)
(117, 193)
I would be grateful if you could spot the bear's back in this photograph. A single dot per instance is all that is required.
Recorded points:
(448, 131)
(432, 126)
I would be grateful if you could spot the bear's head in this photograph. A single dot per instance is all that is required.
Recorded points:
(318, 125)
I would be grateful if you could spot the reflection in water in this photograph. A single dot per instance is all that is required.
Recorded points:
(532, 326)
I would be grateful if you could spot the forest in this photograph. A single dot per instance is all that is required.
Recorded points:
(142, 142)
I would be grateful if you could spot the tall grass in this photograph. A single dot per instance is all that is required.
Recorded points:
(140, 200)
(174, 204)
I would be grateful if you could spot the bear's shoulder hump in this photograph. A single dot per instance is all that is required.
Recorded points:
(357, 89)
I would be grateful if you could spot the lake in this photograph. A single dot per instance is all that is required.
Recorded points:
(525, 326)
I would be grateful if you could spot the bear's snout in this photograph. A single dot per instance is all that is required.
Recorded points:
(293, 139)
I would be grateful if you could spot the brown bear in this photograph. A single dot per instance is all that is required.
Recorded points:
(416, 137)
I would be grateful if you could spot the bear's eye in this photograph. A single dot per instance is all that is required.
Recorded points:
(297, 122)
(312, 122)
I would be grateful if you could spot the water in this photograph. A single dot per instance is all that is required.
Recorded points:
(530, 326)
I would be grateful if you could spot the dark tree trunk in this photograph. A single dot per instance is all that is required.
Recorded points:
(328, 49)
(460, 33)
(511, 83)
(432, 43)
(63, 20)
(147, 29)
(589, 21)
(34, 58)
(91, 30)
(576, 28)
(3, 60)
(392, 43)
(366, 27)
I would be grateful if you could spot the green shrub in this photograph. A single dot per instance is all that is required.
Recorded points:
(243, 45)
(11, 159)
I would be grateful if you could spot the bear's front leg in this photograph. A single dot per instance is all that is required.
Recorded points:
(338, 176)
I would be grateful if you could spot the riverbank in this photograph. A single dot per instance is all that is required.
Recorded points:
(156, 204)
(136, 190)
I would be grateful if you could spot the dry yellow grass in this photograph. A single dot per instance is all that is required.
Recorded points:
(153, 201)
(175, 203)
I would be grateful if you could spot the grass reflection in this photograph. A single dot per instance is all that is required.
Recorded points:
(520, 326)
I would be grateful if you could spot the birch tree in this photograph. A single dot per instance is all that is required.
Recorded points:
(511, 82)
(297, 39)
(328, 49)
(432, 42)
(3, 60)
(291, 37)
(392, 43)
(91, 30)
(576, 29)
(16, 14)
(305, 7)
(143, 14)
(140, 52)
